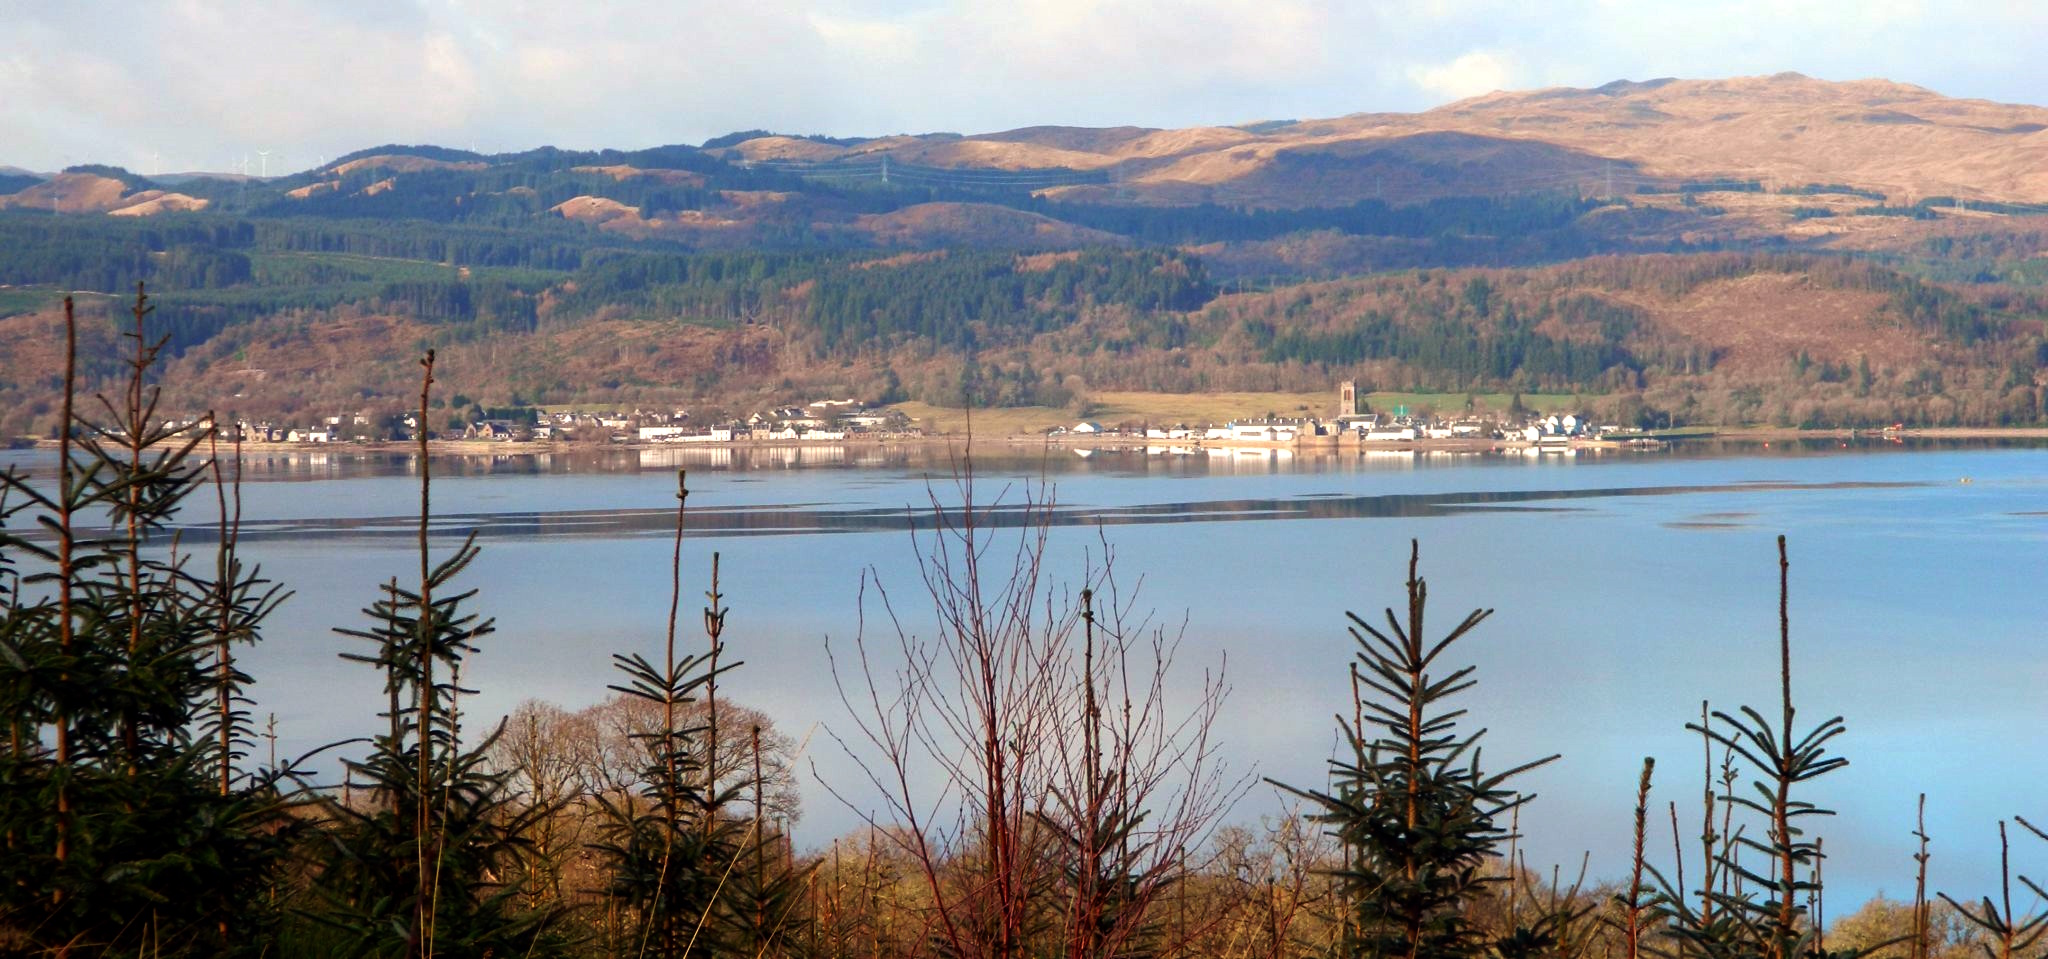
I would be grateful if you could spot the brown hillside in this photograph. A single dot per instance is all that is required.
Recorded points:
(1103, 140)
(607, 213)
(998, 154)
(622, 173)
(1396, 168)
(1784, 130)
(787, 148)
(1755, 323)
(71, 193)
(153, 202)
(35, 345)
(401, 163)
(1167, 143)
(754, 199)
(313, 189)
(616, 217)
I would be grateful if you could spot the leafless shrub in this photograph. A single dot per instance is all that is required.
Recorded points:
(1024, 752)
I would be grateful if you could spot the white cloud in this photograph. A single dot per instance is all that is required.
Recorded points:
(1469, 75)
(203, 81)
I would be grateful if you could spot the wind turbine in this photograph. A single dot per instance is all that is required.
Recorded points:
(264, 156)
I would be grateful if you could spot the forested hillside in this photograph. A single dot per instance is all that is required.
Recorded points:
(758, 268)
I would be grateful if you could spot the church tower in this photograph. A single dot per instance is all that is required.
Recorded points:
(1347, 398)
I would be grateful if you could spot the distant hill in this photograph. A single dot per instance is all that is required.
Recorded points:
(1775, 249)
(1784, 131)
(15, 179)
(1863, 156)
(78, 191)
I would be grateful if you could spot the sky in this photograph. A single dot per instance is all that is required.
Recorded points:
(173, 85)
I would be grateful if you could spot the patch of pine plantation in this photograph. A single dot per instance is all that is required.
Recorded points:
(1082, 812)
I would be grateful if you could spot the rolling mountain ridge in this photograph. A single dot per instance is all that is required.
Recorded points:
(1779, 249)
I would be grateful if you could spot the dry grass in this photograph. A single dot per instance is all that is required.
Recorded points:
(787, 148)
(71, 193)
(313, 189)
(1785, 130)
(1166, 409)
(622, 173)
(403, 163)
(1009, 421)
(1163, 143)
(153, 202)
(1000, 155)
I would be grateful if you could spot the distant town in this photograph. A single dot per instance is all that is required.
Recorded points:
(850, 419)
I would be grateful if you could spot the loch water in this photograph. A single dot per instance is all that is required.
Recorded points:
(1628, 587)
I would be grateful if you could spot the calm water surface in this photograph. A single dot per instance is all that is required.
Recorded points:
(1628, 589)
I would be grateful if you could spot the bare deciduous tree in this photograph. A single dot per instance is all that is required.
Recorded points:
(1024, 752)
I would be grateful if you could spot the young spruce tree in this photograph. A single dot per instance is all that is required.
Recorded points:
(1415, 815)
(1733, 922)
(415, 872)
(694, 878)
(125, 825)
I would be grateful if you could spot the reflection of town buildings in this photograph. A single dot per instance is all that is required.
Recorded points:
(830, 420)
(711, 457)
(742, 457)
(1398, 430)
(1248, 460)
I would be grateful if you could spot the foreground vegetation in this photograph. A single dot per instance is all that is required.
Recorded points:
(1041, 782)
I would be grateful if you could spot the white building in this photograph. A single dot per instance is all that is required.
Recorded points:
(1264, 432)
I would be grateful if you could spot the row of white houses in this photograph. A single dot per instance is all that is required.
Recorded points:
(1369, 428)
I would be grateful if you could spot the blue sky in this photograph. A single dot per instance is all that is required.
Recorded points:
(187, 84)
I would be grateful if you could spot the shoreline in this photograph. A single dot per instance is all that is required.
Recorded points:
(1656, 440)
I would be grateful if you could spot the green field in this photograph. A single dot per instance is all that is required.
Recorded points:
(13, 301)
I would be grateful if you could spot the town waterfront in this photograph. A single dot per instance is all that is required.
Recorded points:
(1629, 587)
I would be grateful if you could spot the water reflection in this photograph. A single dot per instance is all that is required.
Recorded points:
(1138, 459)
(798, 519)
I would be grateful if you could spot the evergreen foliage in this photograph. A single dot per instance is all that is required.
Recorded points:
(127, 822)
(1416, 816)
(1730, 920)
(690, 872)
(414, 870)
